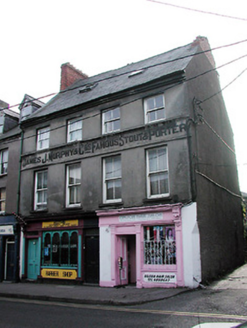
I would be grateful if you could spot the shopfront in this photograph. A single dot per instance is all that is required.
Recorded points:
(55, 250)
(141, 246)
(9, 249)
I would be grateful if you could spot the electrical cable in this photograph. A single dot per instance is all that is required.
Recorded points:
(198, 10)
(217, 184)
(145, 67)
(138, 98)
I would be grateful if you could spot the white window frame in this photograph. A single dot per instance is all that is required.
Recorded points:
(155, 109)
(109, 122)
(4, 157)
(69, 185)
(2, 200)
(71, 129)
(158, 171)
(43, 138)
(112, 179)
(39, 206)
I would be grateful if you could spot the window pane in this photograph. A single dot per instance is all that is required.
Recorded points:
(150, 103)
(110, 190)
(47, 249)
(73, 248)
(160, 113)
(74, 174)
(118, 189)
(74, 195)
(116, 113)
(161, 160)
(153, 165)
(55, 248)
(65, 248)
(159, 101)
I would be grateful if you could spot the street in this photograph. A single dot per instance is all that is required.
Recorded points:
(184, 310)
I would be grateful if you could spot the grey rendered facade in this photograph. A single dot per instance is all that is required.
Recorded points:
(200, 169)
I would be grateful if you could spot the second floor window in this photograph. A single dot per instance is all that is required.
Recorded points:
(2, 200)
(4, 155)
(111, 120)
(112, 179)
(157, 172)
(43, 137)
(40, 202)
(74, 130)
(154, 108)
(73, 195)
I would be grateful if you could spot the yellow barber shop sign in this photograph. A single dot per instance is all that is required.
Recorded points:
(59, 274)
(59, 224)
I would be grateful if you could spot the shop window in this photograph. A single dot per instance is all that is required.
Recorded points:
(40, 202)
(60, 248)
(74, 130)
(154, 108)
(43, 137)
(111, 120)
(112, 179)
(2, 200)
(4, 154)
(73, 195)
(159, 245)
(157, 172)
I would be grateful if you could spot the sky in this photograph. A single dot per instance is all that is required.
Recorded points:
(95, 36)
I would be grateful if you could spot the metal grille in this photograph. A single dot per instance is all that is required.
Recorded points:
(159, 252)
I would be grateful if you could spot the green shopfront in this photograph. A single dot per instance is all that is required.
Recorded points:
(58, 249)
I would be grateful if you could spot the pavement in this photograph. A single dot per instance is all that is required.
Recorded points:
(93, 294)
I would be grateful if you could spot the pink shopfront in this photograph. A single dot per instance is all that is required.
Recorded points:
(141, 246)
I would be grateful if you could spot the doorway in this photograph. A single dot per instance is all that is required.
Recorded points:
(92, 259)
(9, 273)
(126, 250)
(33, 259)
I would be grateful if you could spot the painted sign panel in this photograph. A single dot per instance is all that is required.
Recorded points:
(58, 224)
(160, 277)
(6, 230)
(59, 274)
(141, 217)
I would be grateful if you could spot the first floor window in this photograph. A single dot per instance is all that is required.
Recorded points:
(4, 155)
(73, 185)
(74, 130)
(60, 248)
(40, 190)
(159, 245)
(112, 179)
(2, 200)
(157, 172)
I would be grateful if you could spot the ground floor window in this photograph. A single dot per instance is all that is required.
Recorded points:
(159, 245)
(60, 248)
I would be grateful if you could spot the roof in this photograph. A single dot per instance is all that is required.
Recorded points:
(10, 112)
(118, 80)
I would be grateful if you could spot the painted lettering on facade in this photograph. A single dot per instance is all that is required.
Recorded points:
(141, 217)
(119, 140)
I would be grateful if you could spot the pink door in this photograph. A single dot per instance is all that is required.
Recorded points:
(123, 253)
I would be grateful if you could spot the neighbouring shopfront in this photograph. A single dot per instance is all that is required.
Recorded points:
(9, 249)
(56, 250)
(143, 246)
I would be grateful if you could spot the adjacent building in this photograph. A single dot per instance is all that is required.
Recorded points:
(130, 176)
(10, 136)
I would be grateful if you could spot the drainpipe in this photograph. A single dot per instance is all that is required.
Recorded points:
(18, 226)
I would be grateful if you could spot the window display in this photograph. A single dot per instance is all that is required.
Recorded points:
(159, 245)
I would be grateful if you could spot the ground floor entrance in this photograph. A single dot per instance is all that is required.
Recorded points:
(126, 253)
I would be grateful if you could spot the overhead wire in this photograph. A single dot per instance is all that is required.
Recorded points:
(138, 98)
(198, 10)
(144, 67)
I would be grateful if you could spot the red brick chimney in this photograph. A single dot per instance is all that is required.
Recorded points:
(203, 42)
(69, 74)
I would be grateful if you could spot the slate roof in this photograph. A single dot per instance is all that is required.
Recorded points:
(117, 80)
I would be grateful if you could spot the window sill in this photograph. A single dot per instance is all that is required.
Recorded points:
(72, 208)
(111, 205)
(167, 199)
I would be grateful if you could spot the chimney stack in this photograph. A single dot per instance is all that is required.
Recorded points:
(69, 75)
(204, 44)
